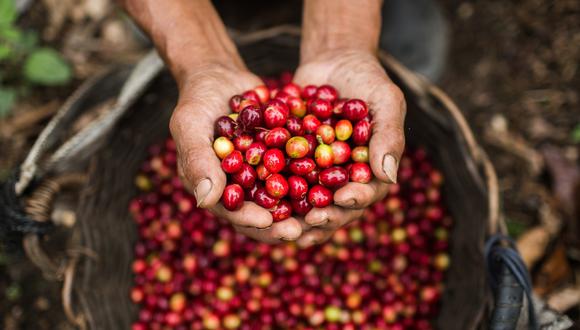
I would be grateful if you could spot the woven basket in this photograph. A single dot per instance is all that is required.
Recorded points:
(98, 277)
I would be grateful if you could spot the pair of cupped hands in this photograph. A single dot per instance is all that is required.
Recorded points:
(204, 96)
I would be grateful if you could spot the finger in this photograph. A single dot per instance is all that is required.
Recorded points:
(250, 215)
(331, 217)
(387, 143)
(313, 237)
(356, 195)
(198, 165)
(286, 230)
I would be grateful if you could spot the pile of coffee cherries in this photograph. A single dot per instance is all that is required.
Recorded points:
(289, 148)
(193, 271)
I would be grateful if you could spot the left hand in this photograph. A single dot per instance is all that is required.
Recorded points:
(358, 74)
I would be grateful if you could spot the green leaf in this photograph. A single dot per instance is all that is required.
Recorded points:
(515, 228)
(13, 292)
(5, 52)
(10, 34)
(46, 67)
(7, 12)
(29, 40)
(7, 99)
(576, 134)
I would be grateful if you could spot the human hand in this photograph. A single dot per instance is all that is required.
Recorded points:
(204, 61)
(204, 96)
(358, 74)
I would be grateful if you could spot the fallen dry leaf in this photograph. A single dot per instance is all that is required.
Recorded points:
(564, 299)
(554, 272)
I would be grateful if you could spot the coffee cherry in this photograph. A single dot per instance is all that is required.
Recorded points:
(323, 156)
(301, 166)
(297, 107)
(327, 93)
(235, 102)
(294, 126)
(354, 110)
(277, 137)
(262, 198)
(326, 133)
(343, 130)
(309, 92)
(292, 89)
(312, 143)
(297, 147)
(233, 197)
(275, 113)
(262, 172)
(252, 96)
(334, 177)
(255, 153)
(222, 147)
(341, 152)
(246, 177)
(319, 196)
(250, 117)
(360, 172)
(301, 206)
(360, 154)
(312, 176)
(233, 162)
(225, 126)
(274, 160)
(361, 133)
(277, 186)
(298, 187)
(261, 135)
(243, 142)
(310, 123)
(281, 211)
(338, 105)
(263, 93)
(320, 108)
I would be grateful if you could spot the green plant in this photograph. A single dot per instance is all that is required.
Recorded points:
(576, 134)
(515, 227)
(23, 63)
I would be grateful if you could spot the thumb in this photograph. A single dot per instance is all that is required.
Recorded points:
(388, 137)
(198, 165)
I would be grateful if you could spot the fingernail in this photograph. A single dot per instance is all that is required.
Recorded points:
(202, 190)
(390, 168)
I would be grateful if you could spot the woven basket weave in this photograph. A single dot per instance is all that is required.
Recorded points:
(97, 282)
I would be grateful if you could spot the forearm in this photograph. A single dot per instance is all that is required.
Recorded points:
(331, 25)
(188, 33)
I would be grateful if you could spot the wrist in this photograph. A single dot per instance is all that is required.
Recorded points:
(188, 34)
(196, 56)
(340, 26)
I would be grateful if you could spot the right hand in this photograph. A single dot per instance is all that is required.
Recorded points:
(203, 97)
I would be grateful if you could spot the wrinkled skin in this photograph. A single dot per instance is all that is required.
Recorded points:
(337, 49)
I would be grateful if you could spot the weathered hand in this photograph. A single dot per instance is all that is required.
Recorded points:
(358, 74)
(204, 96)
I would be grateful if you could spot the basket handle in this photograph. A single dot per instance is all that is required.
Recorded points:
(510, 279)
(133, 87)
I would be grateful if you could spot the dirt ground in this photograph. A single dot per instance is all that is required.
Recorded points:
(513, 68)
